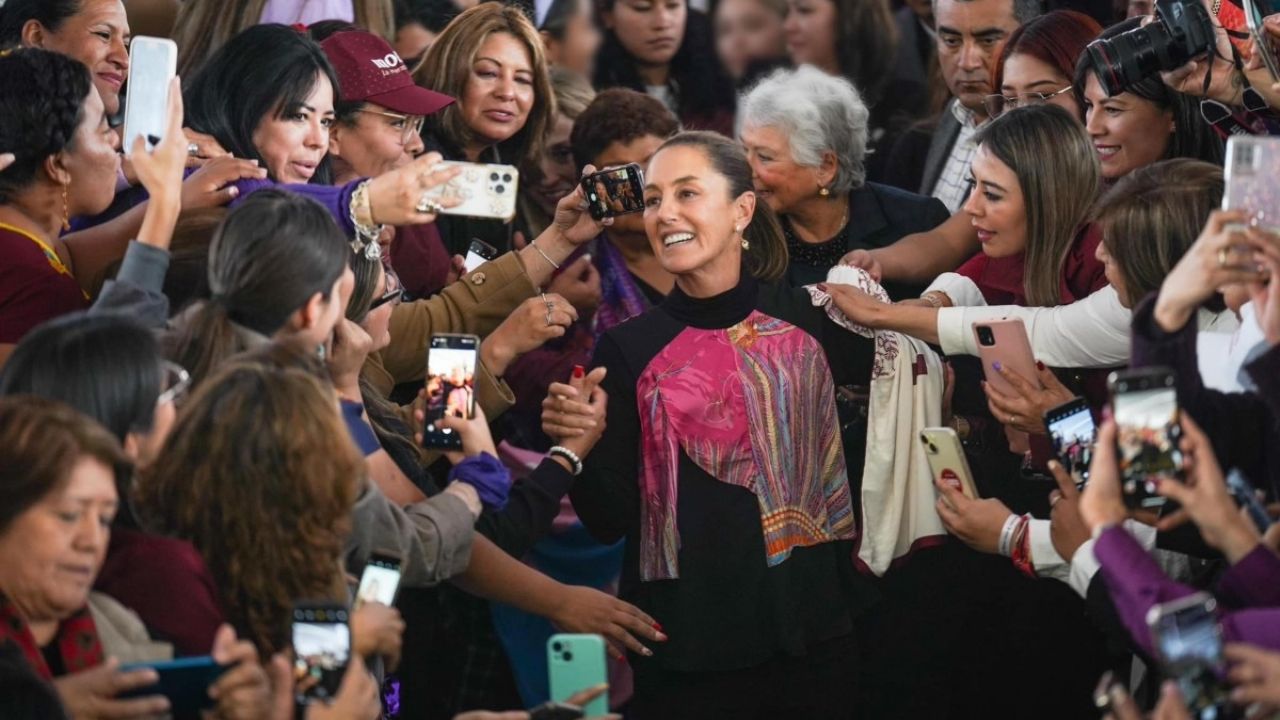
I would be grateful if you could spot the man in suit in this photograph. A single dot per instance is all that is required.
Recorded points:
(969, 35)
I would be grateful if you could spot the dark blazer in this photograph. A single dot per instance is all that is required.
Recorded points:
(917, 158)
(879, 216)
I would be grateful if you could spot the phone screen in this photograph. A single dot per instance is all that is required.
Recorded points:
(451, 370)
(321, 649)
(478, 254)
(1265, 47)
(152, 63)
(1072, 431)
(1147, 435)
(614, 192)
(1190, 645)
(379, 581)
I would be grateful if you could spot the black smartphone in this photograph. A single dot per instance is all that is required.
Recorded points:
(185, 682)
(321, 649)
(1072, 431)
(478, 253)
(616, 191)
(1145, 406)
(1247, 497)
(1188, 641)
(379, 581)
(451, 371)
(552, 710)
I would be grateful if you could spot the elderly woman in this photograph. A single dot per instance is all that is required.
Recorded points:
(58, 476)
(805, 134)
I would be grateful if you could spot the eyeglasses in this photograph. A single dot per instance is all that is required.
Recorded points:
(394, 293)
(412, 124)
(997, 105)
(174, 381)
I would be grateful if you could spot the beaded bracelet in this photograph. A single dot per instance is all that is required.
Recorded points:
(572, 457)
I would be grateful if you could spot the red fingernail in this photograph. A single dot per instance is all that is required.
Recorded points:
(822, 287)
(657, 626)
(578, 372)
(1039, 365)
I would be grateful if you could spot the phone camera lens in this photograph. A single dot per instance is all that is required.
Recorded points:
(986, 337)
(499, 189)
(557, 646)
(506, 177)
(493, 176)
(568, 657)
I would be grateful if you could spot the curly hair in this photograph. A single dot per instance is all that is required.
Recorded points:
(259, 474)
(618, 115)
(42, 97)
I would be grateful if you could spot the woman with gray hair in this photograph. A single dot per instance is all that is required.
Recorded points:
(805, 134)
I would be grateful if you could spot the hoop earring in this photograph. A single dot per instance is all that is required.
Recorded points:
(66, 216)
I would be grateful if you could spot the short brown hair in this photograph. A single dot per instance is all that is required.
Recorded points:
(1151, 216)
(618, 115)
(446, 68)
(41, 441)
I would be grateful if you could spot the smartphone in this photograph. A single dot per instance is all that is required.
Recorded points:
(1145, 405)
(451, 370)
(1254, 12)
(1243, 492)
(616, 191)
(575, 663)
(552, 710)
(152, 64)
(478, 253)
(1188, 641)
(185, 682)
(1072, 432)
(1005, 342)
(1252, 165)
(321, 649)
(379, 581)
(947, 462)
(486, 191)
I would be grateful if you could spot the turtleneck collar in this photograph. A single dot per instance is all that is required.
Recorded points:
(718, 311)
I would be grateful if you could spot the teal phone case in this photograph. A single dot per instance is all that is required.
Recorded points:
(576, 663)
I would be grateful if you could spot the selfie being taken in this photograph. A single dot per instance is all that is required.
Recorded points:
(639, 360)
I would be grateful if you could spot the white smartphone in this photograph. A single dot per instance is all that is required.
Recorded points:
(479, 253)
(152, 64)
(947, 463)
(1251, 167)
(486, 191)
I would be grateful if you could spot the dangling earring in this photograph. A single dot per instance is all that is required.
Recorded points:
(66, 216)
(823, 191)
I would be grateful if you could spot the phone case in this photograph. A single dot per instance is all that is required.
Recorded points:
(185, 682)
(147, 77)
(1254, 12)
(947, 462)
(610, 195)
(1011, 349)
(486, 191)
(576, 663)
(1253, 164)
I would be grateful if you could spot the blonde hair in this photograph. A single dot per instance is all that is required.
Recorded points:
(446, 68)
(1057, 170)
(203, 26)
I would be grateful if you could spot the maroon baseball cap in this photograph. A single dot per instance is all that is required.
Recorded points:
(369, 70)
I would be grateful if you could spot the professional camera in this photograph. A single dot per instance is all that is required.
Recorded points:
(1182, 31)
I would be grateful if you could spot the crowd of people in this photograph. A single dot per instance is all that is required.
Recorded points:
(692, 426)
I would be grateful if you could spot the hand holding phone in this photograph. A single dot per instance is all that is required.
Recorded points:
(1188, 641)
(576, 663)
(615, 191)
(1072, 432)
(1145, 406)
(451, 369)
(153, 62)
(184, 682)
(1004, 344)
(485, 191)
(947, 462)
(321, 649)
(379, 581)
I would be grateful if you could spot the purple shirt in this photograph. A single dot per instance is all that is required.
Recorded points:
(1136, 583)
(305, 12)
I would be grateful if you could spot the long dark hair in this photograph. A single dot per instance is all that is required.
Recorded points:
(42, 96)
(268, 258)
(267, 70)
(866, 45)
(1193, 137)
(704, 89)
(105, 366)
(766, 256)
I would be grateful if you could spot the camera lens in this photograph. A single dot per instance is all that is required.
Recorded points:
(499, 189)
(1181, 32)
(506, 177)
(493, 176)
(985, 336)
(557, 646)
(568, 657)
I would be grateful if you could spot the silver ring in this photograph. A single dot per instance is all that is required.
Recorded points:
(549, 323)
(193, 149)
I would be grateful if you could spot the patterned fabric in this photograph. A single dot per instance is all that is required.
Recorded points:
(76, 641)
(953, 184)
(620, 299)
(886, 343)
(740, 403)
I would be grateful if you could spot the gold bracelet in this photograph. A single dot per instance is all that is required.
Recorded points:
(545, 256)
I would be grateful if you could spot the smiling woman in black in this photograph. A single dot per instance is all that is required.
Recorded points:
(722, 463)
